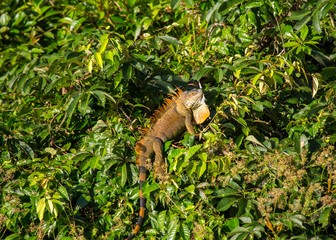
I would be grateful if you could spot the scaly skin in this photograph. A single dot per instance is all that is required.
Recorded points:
(172, 119)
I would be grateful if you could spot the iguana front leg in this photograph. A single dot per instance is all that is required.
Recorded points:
(186, 113)
(159, 164)
(189, 125)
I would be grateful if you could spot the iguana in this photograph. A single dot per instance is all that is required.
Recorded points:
(177, 114)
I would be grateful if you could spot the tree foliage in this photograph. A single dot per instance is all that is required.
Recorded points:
(79, 79)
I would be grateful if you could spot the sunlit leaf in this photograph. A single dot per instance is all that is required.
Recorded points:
(52, 151)
(103, 43)
(304, 32)
(192, 151)
(62, 190)
(185, 231)
(95, 163)
(251, 138)
(172, 229)
(40, 208)
(202, 166)
(161, 220)
(99, 59)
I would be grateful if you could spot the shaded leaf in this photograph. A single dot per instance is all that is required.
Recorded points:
(170, 39)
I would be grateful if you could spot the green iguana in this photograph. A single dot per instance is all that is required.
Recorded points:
(177, 114)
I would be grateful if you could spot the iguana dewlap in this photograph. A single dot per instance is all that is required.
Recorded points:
(177, 114)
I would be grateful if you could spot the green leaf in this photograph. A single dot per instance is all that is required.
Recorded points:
(50, 206)
(328, 73)
(297, 219)
(316, 21)
(103, 43)
(55, 81)
(202, 166)
(161, 220)
(95, 163)
(40, 208)
(304, 32)
(254, 4)
(251, 138)
(256, 78)
(64, 193)
(302, 23)
(27, 149)
(101, 96)
(192, 151)
(241, 121)
(213, 10)
(83, 106)
(226, 203)
(90, 65)
(18, 18)
(52, 151)
(185, 231)
(172, 229)
(4, 19)
(117, 79)
(190, 189)
(171, 40)
(71, 108)
(150, 188)
(123, 175)
(325, 216)
(232, 223)
(239, 139)
(203, 71)
(175, 3)
(291, 44)
(99, 60)
(299, 15)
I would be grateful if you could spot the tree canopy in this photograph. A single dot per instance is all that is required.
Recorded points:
(80, 79)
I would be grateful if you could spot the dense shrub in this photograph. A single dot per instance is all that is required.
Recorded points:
(80, 79)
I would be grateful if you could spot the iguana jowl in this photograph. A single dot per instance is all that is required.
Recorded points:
(177, 114)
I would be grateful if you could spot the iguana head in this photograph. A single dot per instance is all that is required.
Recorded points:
(195, 101)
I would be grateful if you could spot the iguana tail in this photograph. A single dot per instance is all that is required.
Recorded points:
(141, 160)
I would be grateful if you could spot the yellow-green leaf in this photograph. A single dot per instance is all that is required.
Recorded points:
(201, 168)
(50, 206)
(256, 78)
(52, 151)
(89, 66)
(99, 59)
(103, 43)
(40, 208)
